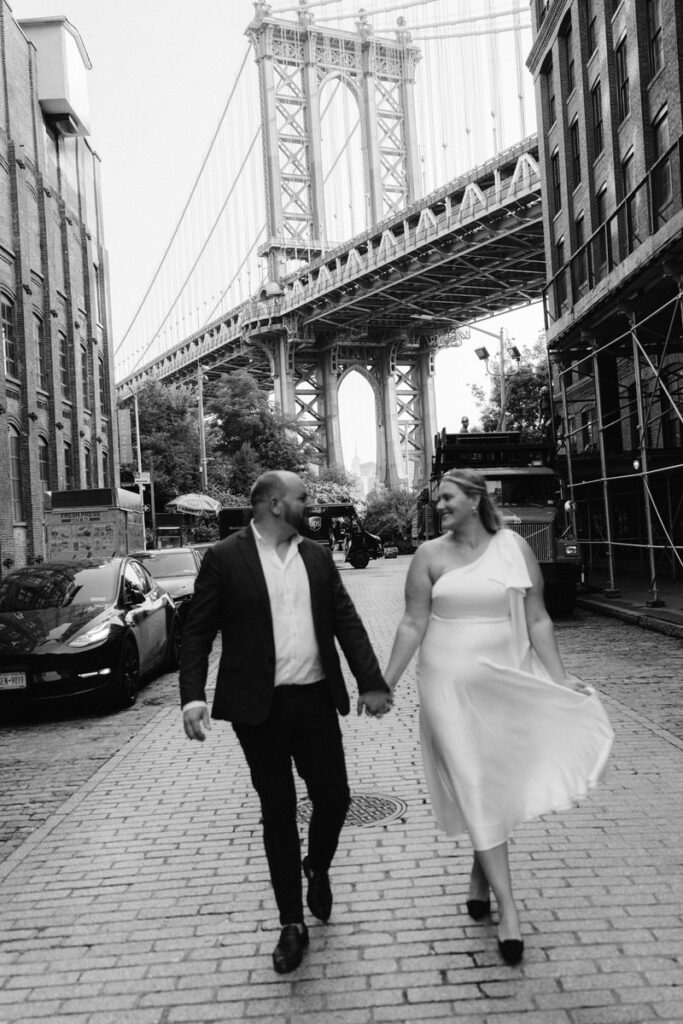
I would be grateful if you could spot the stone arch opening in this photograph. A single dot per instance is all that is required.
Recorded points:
(358, 424)
(343, 172)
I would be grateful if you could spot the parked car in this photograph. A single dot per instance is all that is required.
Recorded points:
(83, 627)
(202, 548)
(175, 569)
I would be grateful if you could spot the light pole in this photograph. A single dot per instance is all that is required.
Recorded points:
(141, 486)
(483, 354)
(202, 437)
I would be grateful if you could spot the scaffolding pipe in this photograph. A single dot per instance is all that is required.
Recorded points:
(642, 444)
(612, 590)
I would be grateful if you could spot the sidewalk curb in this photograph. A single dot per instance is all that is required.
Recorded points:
(632, 616)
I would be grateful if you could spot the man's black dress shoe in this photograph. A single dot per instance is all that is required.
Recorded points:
(511, 950)
(319, 895)
(289, 951)
(478, 909)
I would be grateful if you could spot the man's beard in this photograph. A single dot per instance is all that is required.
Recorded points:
(297, 520)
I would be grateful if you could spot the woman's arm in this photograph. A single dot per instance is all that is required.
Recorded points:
(540, 625)
(411, 628)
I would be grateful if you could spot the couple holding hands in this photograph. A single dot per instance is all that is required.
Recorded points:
(506, 734)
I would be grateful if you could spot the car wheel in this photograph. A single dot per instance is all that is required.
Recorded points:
(359, 559)
(127, 677)
(173, 657)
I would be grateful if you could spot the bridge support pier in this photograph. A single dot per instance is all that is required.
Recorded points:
(388, 441)
(283, 377)
(335, 455)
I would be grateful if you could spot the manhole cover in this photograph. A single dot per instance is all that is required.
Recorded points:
(365, 809)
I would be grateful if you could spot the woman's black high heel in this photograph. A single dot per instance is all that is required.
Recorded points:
(511, 950)
(478, 909)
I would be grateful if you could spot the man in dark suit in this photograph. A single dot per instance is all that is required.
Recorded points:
(279, 603)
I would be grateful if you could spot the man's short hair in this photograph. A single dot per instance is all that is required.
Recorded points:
(268, 485)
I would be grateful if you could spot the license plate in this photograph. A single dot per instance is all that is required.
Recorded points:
(12, 681)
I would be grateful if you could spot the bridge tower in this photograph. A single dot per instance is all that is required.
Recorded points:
(295, 60)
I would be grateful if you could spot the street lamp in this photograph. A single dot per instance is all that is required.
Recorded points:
(483, 354)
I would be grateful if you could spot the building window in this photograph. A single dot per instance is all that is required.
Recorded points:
(556, 181)
(68, 466)
(596, 109)
(96, 294)
(662, 188)
(623, 97)
(85, 377)
(9, 341)
(102, 389)
(41, 353)
(592, 26)
(88, 467)
(569, 59)
(16, 475)
(630, 207)
(561, 283)
(549, 87)
(653, 10)
(64, 377)
(601, 215)
(105, 468)
(44, 463)
(575, 145)
(580, 264)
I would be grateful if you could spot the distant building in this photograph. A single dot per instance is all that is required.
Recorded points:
(57, 430)
(608, 77)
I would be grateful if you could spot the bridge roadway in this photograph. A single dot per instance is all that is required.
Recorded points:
(469, 250)
(143, 898)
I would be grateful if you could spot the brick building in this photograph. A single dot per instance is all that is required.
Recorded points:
(56, 389)
(609, 77)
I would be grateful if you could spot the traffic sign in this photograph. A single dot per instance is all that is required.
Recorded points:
(142, 478)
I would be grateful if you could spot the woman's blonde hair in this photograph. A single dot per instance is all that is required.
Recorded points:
(473, 485)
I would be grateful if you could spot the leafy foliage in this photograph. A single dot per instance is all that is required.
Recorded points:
(526, 391)
(389, 513)
(169, 440)
(246, 437)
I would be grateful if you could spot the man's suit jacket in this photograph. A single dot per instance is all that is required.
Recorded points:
(231, 596)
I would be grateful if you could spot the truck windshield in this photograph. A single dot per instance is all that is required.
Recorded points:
(524, 491)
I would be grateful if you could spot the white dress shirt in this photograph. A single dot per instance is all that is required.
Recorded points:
(297, 657)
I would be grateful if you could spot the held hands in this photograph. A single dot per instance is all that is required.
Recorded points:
(375, 703)
(196, 722)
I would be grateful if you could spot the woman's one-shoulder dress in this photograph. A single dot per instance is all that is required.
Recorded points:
(501, 743)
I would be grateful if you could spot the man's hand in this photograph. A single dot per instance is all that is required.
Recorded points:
(196, 722)
(375, 703)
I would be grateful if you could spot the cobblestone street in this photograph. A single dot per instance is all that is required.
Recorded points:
(134, 889)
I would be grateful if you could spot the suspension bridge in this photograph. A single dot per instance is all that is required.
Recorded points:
(363, 199)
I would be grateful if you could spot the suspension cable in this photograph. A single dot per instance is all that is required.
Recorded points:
(185, 207)
(203, 248)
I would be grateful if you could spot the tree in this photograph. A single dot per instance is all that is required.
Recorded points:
(169, 437)
(333, 484)
(245, 436)
(525, 399)
(389, 513)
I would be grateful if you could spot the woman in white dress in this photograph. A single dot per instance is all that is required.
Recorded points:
(506, 734)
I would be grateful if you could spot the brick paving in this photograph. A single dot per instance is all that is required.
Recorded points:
(144, 898)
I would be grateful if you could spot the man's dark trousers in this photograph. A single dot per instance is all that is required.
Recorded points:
(302, 726)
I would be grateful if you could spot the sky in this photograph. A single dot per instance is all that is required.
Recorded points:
(161, 73)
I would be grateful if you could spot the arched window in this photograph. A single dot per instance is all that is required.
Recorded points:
(68, 466)
(9, 341)
(41, 353)
(88, 467)
(85, 377)
(44, 463)
(64, 375)
(15, 474)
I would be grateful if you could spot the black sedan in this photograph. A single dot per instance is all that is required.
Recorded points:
(81, 627)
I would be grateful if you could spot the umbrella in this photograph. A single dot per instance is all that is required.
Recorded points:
(195, 504)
